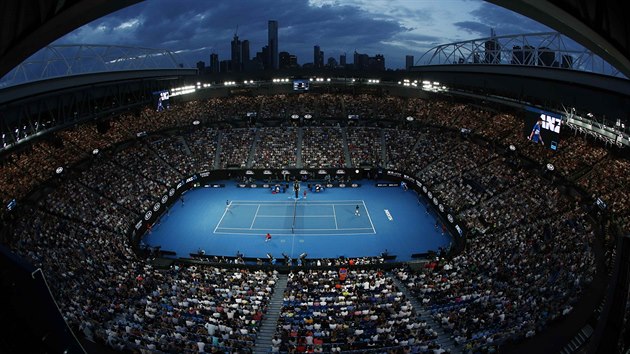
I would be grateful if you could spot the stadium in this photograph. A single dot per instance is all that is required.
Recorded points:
(465, 205)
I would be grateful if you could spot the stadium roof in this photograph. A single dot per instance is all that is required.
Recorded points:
(28, 25)
(600, 25)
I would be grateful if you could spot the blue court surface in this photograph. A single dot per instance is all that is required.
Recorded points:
(222, 221)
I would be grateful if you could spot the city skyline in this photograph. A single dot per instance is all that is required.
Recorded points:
(395, 29)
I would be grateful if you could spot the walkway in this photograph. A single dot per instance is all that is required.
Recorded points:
(270, 321)
(444, 339)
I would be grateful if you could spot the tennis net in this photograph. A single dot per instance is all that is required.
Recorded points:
(294, 216)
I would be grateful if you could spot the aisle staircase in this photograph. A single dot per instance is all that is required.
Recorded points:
(268, 328)
(346, 151)
(217, 153)
(184, 145)
(384, 159)
(252, 151)
(298, 154)
(444, 339)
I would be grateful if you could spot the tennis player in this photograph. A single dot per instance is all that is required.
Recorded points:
(356, 211)
(535, 134)
(268, 237)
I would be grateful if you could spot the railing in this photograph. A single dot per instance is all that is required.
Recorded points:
(546, 49)
(67, 60)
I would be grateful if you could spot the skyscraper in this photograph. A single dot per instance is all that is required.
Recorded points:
(493, 49)
(408, 62)
(214, 63)
(245, 52)
(285, 57)
(272, 35)
(546, 57)
(342, 60)
(318, 57)
(236, 54)
(567, 61)
(201, 67)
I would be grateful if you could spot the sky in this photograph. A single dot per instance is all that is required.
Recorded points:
(395, 28)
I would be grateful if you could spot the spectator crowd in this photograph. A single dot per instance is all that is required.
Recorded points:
(528, 259)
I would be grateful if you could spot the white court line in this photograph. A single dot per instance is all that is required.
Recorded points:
(335, 216)
(300, 204)
(296, 234)
(297, 216)
(368, 215)
(349, 228)
(222, 216)
(291, 202)
(253, 221)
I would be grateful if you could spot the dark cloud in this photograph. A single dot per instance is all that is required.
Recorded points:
(196, 28)
(504, 21)
(189, 24)
(474, 27)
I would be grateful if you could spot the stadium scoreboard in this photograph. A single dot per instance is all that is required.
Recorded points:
(543, 127)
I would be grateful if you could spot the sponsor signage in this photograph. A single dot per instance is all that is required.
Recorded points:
(341, 172)
(164, 199)
(387, 184)
(409, 178)
(156, 207)
(139, 225)
(266, 172)
(441, 207)
(449, 217)
(204, 174)
(148, 215)
(321, 172)
(171, 192)
(303, 172)
(249, 185)
(249, 172)
(286, 172)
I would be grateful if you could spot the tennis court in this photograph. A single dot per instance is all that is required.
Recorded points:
(301, 217)
(323, 225)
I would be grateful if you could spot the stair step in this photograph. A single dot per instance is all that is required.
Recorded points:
(268, 327)
(443, 339)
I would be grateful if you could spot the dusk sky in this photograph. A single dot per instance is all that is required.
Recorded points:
(196, 28)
